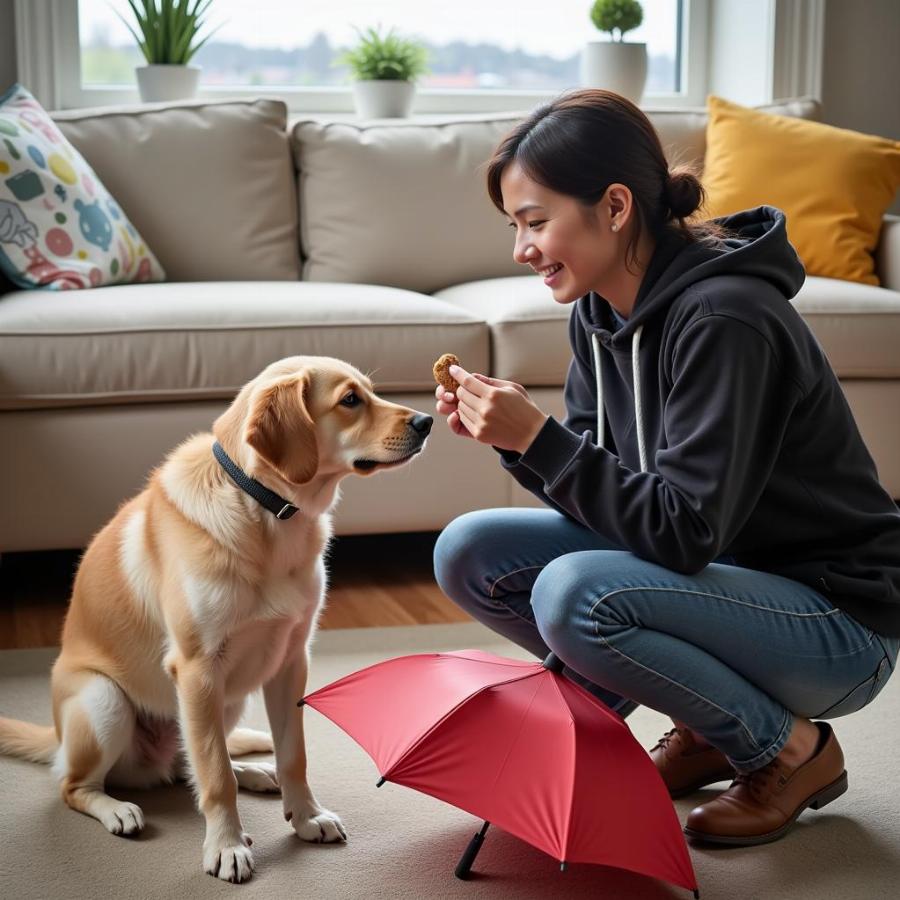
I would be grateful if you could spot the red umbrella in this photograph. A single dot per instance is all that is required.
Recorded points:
(521, 746)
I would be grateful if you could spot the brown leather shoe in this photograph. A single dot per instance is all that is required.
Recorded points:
(761, 806)
(685, 766)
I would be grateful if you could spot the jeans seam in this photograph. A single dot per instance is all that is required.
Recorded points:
(678, 590)
(869, 678)
(507, 575)
(678, 684)
(768, 609)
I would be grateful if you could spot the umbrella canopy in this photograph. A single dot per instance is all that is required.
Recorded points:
(518, 745)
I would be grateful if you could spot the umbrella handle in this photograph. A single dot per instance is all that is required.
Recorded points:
(464, 866)
(554, 663)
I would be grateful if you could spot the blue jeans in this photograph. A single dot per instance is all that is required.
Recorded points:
(730, 652)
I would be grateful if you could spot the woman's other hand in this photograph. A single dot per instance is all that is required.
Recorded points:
(447, 406)
(490, 410)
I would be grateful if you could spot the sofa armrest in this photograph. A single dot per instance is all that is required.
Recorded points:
(887, 253)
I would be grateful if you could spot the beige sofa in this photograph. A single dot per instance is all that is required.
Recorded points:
(374, 242)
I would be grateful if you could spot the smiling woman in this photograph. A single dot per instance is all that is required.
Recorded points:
(707, 481)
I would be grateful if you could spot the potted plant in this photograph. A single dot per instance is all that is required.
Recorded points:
(384, 69)
(613, 64)
(167, 35)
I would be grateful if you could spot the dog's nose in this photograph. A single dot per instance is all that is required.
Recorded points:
(421, 423)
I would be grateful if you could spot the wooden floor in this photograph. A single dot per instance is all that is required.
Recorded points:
(375, 580)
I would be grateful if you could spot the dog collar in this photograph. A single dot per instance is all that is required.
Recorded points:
(276, 505)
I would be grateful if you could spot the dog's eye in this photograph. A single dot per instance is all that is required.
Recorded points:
(352, 399)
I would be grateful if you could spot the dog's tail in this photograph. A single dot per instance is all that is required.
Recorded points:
(37, 743)
(242, 741)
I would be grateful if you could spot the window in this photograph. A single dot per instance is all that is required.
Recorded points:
(506, 54)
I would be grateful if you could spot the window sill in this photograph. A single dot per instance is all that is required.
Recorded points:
(337, 103)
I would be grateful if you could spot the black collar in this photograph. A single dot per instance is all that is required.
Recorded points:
(276, 505)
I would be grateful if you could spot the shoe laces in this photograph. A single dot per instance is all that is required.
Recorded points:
(666, 739)
(761, 781)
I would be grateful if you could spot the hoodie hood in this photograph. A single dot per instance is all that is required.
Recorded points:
(756, 245)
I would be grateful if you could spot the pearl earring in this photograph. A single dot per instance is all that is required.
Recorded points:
(615, 226)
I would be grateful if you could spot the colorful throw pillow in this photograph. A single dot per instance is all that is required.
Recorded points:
(834, 185)
(59, 227)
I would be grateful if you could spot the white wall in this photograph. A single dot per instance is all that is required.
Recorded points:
(740, 53)
(7, 45)
(861, 71)
(861, 68)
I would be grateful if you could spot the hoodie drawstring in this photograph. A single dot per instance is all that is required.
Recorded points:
(636, 377)
(598, 380)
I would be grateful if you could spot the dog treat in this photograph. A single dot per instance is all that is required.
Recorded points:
(442, 372)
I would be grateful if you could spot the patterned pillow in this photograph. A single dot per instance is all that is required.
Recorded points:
(59, 227)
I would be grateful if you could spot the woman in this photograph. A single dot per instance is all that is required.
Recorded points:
(717, 546)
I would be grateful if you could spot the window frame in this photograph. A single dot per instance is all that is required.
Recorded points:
(47, 31)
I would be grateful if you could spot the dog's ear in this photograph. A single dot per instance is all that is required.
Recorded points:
(281, 430)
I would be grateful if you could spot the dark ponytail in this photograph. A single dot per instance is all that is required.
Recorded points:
(584, 141)
(684, 194)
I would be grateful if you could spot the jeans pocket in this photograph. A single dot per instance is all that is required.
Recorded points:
(861, 695)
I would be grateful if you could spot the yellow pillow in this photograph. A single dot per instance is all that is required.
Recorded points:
(833, 185)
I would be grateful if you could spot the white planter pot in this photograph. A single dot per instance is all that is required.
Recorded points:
(160, 82)
(615, 66)
(383, 99)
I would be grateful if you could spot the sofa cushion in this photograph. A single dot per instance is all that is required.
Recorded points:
(59, 226)
(156, 343)
(754, 158)
(857, 325)
(209, 185)
(402, 204)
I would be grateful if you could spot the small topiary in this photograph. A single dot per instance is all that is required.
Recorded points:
(617, 15)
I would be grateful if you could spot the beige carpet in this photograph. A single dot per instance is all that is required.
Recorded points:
(405, 845)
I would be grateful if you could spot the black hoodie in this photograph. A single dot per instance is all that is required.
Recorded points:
(737, 440)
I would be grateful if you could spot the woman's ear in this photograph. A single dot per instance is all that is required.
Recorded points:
(280, 429)
(620, 202)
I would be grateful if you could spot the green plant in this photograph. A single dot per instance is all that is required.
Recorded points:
(386, 57)
(168, 29)
(617, 15)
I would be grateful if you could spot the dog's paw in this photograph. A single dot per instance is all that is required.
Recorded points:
(123, 818)
(321, 827)
(260, 777)
(232, 863)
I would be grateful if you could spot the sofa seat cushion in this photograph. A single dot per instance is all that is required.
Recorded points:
(529, 329)
(194, 341)
(857, 325)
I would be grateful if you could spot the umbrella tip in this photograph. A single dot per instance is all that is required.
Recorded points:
(696, 895)
(380, 781)
(301, 703)
(563, 866)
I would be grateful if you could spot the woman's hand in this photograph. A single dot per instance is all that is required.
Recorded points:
(490, 410)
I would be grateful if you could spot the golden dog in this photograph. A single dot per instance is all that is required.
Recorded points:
(203, 588)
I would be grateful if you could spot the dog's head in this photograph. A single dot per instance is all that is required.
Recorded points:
(314, 415)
